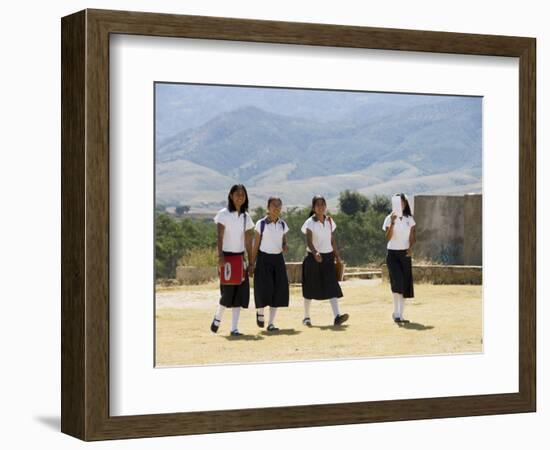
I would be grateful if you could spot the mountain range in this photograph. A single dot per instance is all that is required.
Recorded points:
(295, 144)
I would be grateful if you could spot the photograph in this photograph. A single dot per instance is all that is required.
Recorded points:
(301, 206)
(301, 224)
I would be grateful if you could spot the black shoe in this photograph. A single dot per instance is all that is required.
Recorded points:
(340, 319)
(272, 327)
(307, 322)
(236, 333)
(214, 325)
(260, 323)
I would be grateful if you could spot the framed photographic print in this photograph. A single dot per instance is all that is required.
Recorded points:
(234, 254)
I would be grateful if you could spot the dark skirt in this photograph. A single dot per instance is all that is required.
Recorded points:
(319, 280)
(400, 270)
(233, 295)
(270, 281)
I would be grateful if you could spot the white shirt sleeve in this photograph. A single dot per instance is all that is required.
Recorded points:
(286, 227)
(412, 221)
(220, 217)
(259, 226)
(306, 225)
(387, 221)
(333, 224)
(249, 222)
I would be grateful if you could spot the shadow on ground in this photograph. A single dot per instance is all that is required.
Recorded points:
(330, 327)
(416, 326)
(281, 332)
(52, 422)
(244, 337)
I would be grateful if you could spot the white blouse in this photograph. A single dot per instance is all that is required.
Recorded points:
(272, 238)
(401, 232)
(235, 224)
(321, 233)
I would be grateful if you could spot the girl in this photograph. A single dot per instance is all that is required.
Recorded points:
(234, 234)
(318, 270)
(400, 234)
(268, 264)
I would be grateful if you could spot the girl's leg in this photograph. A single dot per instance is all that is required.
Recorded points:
(396, 305)
(236, 312)
(401, 307)
(219, 313)
(260, 317)
(334, 305)
(307, 314)
(217, 318)
(272, 314)
(307, 307)
(339, 319)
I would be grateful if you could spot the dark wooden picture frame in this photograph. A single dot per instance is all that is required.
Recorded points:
(85, 224)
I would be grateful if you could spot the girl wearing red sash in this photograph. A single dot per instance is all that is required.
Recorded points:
(235, 234)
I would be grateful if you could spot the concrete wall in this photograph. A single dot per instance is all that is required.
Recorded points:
(440, 274)
(440, 228)
(473, 244)
(195, 275)
(449, 228)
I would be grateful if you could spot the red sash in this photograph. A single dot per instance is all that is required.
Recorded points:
(232, 272)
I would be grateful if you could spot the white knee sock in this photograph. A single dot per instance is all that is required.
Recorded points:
(307, 307)
(219, 313)
(260, 312)
(396, 305)
(272, 314)
(334, 305)
(236, 312)
(401, 306)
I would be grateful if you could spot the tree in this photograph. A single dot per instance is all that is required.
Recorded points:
(175, 237)
(168, 245)
(381, 204)
(181, 210)
(352, 202)
(258, 213)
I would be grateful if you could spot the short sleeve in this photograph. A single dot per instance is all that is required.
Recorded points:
(286, 228)
(332, 224)
(249, 222)
(306, 225)
(412, 221)
(258, 226)
(220, 217)
(386, 224)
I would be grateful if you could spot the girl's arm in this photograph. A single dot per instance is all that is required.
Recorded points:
(285, 244)
(220, 231)
(336, 251)
(389, 230)
(255, 248)
(248, 236)
(309, 237)
(412, 236)
(412, 240)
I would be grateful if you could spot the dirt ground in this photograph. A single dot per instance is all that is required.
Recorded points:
(444, 319)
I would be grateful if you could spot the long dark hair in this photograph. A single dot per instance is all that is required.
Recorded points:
(313, 200)
(407, 209)
(231, 205)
